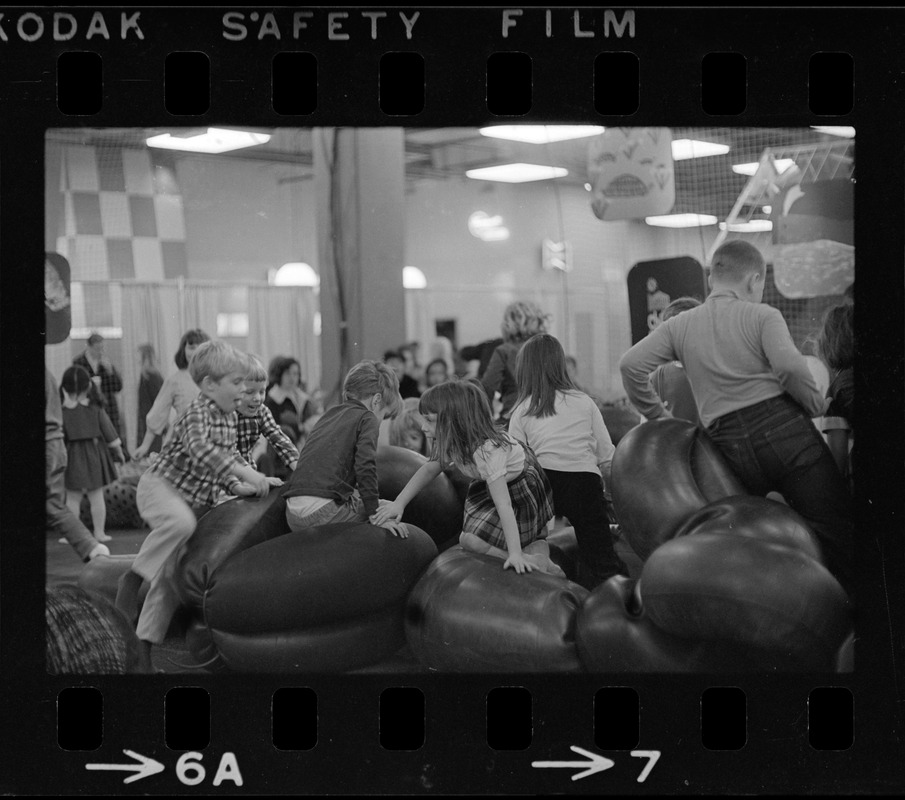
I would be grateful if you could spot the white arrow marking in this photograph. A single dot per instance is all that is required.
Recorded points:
(144, 769)
(596, 764)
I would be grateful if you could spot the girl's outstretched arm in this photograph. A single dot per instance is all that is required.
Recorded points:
(499, 492)
(393, 510)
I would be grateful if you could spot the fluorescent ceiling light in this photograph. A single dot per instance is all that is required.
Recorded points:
(836, 130)
(517, 173)
(413, 278)
(540, 134)
(214, 140)
(692, 148)
(752, 226)
(782, 164)
(681, 220)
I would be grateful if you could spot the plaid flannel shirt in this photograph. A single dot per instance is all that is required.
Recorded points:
(248, 429)
(198, 459)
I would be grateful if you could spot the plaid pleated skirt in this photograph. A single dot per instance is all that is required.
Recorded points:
(532, 502)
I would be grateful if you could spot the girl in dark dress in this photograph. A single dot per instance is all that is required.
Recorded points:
(90, 437)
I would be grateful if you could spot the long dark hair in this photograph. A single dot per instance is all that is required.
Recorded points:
(464, 421)
(193, 336)
(75, 381)
(541, 372)
(836, 339)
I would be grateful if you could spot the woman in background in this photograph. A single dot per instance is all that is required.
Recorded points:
(176, 393)
(521, 321)
(149, 385)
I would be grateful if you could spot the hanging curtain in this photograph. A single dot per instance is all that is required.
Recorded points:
(281, 323)
(200, 304)
(150, 314)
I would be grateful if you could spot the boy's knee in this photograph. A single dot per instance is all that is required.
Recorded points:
(183, 522)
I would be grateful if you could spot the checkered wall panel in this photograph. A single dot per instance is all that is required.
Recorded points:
(123, 215)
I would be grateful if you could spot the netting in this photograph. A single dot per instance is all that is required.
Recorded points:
(786, 165)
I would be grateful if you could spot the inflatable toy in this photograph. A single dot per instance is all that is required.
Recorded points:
(748, 515)
(740, 588)
(436, 509)
(468, 614)
(122, 510)
(327, 599)
(750, 591)
(619, 420)
(564, 551)
(615, 634)
(663, 471)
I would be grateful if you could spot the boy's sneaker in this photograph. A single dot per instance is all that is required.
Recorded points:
(63, 540)
(98, 550)
(103, 537)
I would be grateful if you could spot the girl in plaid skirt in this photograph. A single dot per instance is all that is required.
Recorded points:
(509, 501)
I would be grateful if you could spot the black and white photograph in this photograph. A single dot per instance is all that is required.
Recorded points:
(452, 400)
(523, 270)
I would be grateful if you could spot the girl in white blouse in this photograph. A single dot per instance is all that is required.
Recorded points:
(175, 395)
(566, 430)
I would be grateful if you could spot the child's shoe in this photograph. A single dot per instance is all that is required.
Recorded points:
(103, 537)
(63, 540)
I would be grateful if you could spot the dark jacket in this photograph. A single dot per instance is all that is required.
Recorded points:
(500, 376)
(408, 387)
(339, 456)
(111, 384)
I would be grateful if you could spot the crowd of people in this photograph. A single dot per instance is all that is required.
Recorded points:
(508, 415)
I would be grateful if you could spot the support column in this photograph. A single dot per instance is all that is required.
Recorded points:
(359, 176)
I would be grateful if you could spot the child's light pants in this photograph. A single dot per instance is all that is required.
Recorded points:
(172, 522)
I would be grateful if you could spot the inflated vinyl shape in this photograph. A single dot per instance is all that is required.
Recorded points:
(749, 515)
(327, 599)
(663, 471)
(436, 509)
(614, 634)
(752, 591)
(468, 614)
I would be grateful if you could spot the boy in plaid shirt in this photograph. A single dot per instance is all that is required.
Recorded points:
(255, 421)
(183, 484)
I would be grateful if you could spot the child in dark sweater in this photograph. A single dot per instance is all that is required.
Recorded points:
(336, 476)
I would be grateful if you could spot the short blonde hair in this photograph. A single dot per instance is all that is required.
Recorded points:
(215, 359)
(372, 377)
(734, 261)
(255, 368)
(408, 421)
(523, 320)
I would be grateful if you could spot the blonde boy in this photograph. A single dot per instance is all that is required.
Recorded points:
(183, 484)
(755, 396)
(256, 427)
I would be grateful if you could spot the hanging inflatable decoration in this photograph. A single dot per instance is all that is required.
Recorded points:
(631, 173)
(57, 300)
(814, 235)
